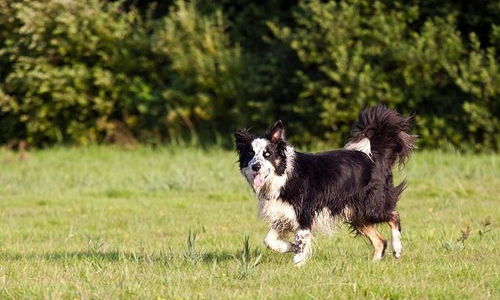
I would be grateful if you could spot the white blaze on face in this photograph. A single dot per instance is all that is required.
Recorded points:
(258, 178)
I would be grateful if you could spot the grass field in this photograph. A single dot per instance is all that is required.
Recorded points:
(102, 222)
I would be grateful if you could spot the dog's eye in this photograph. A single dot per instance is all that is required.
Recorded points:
(267, 154)
(251, 153)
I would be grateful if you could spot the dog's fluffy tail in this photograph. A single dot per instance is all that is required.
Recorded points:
(383, 134)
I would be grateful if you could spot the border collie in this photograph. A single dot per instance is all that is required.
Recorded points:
(301, 192)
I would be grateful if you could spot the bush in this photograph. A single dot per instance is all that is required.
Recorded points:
(89, 71)
(204, 72)
(356, 53)
(79, 71)
(75, 66)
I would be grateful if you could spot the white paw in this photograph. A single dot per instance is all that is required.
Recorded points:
(377, 257)
(300, 259)
(397, 249)
(397, 246)
(278, 246)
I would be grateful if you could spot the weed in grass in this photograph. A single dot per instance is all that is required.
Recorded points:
(192, 255)
(485, 227)
(248, 259)
(166, 257)
(465, 235)
(454, 244)
(95, 244)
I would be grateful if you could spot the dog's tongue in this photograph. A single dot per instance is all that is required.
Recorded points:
(258, 180)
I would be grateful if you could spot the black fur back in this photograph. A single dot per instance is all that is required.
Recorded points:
(350, 179)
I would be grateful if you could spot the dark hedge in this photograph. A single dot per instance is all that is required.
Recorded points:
(86, 71)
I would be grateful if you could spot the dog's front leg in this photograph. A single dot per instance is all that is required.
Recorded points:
(302, 246)
(274, 240)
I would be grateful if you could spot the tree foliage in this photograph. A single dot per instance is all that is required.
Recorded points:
(91, 71)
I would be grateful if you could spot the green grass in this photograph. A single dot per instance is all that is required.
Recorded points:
(102, 222)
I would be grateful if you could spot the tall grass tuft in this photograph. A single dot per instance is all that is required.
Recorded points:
(192, 255)
(248, 259)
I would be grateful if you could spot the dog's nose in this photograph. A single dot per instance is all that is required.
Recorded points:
(256, 167)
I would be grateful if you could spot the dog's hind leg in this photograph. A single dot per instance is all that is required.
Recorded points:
(377, 240)
(395, 224)
(274, 238)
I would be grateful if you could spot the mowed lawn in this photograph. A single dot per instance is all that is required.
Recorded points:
(107, 223)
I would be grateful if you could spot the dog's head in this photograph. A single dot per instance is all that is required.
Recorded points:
(262, 158)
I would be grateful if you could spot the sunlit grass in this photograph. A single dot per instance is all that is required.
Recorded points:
(103, 222)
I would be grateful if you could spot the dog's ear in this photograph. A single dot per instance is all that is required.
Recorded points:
(276, 133)
(242, 137)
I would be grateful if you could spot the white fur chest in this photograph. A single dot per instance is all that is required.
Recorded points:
(271, 207)
(277, 210)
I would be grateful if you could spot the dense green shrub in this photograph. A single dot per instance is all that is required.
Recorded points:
(357, 53)
(74, 67)
(79, 71)
(85, 71)
(204, 71)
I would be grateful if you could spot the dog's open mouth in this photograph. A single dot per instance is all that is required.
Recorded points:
(259, 179)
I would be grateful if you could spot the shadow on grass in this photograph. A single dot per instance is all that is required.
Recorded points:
(117, 256)
(218, 256)
(110, 256)
(81, 255)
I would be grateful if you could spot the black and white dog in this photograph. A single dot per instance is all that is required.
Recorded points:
(299, 192)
